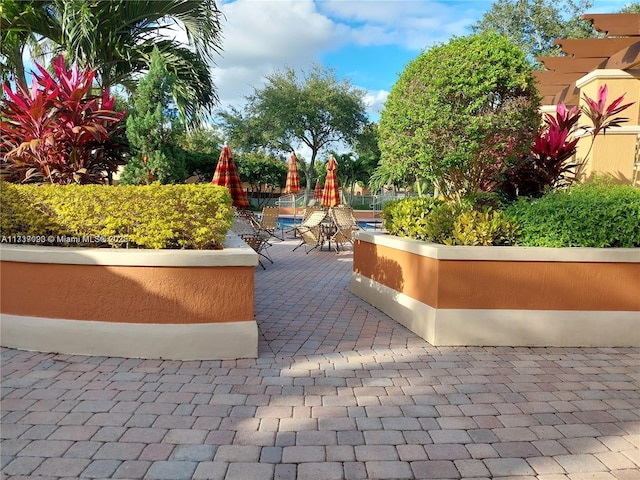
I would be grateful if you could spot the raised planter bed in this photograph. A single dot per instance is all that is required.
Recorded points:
(172, 304)
(502, 296)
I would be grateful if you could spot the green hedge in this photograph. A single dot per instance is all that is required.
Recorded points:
(407, 217)
(424, 218)
(153, 216)
(590, 215)
(597, 214)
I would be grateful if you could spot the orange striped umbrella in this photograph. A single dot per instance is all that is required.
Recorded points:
(317, 192)
(331, 194)
(293, 177)
(226, 175)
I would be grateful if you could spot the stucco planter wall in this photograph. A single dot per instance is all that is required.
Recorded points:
(515, 296)
(173, 304)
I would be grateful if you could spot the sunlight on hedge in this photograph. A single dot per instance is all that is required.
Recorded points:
(153, 216)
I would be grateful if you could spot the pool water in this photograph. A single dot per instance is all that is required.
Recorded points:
(287, 222)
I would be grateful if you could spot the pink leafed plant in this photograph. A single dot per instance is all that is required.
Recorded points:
(602, 116)
(548, 164)
(564, 119)
(58, 130)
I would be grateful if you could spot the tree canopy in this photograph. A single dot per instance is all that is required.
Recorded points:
(457, 109)
(534, 24)
(633, 7)
(261, 170)
(313, 109)
(117, 37)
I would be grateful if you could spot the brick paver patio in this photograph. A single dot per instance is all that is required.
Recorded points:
(340, 391)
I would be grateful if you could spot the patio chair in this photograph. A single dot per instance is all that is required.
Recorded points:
(305, 214)
(344, 223)
(310, 231)
(310, 209)
(269, 222)
(244, 228)
(349, 210)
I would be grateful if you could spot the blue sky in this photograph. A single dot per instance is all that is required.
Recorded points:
(368, 42)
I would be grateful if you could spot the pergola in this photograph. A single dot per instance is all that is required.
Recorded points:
(619, 49)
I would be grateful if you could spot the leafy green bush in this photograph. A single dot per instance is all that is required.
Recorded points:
(424, 218)
(591, 215)
(151, 130)
(488, 227)
(457, 112)
(407, 217)
(597, 214)
(153, 216)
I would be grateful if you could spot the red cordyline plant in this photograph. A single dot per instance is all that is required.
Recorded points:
(602, 116)
(547, 165)
(57, 131)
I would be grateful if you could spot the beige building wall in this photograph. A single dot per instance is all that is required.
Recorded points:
(613, 153)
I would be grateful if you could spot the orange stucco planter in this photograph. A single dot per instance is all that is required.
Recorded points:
(174, 304)
(502, 295)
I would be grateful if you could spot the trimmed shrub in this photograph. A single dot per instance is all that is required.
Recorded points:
(457, 113)
(448, 223)
(22, 216)
(153, 216)
(407, 217)
(592, 215)
(488, 227)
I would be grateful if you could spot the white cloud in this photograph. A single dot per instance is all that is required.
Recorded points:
(412, 24)
(375, 102)
(262, 36)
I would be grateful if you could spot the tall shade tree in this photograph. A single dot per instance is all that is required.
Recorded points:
(261, 171)
(116, 37)
(633, 7)
(534, 24)
(314, 109)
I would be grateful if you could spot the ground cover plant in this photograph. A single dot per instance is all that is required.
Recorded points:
(152, 216)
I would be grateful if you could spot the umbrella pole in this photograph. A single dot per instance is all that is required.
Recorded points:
(293, 225)
(293, 195)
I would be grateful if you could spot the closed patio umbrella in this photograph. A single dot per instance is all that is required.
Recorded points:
(292, 186)
(317, 192)
(293, 177)
(331, 194)
(226, 175)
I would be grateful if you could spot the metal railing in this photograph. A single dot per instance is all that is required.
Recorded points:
(378, 201)
(291, 201)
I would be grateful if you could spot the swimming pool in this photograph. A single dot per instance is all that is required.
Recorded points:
(288, 222)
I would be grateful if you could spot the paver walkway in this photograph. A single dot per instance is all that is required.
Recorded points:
(339, 391)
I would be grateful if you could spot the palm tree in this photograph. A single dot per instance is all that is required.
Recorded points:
(116, 37)
(15, 37)
(353, 170)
